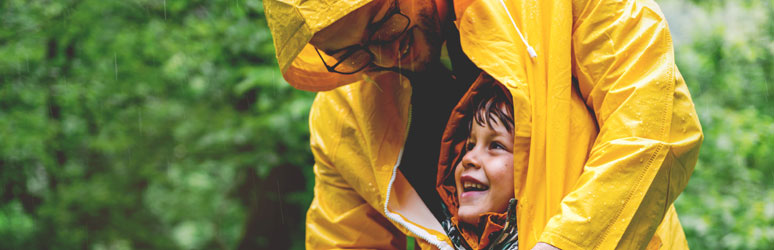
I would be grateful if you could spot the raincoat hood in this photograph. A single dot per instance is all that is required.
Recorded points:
(293, 23)
(452, 146)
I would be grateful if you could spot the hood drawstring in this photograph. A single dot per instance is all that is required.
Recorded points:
(530, 50)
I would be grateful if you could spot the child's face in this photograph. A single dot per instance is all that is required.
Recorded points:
(484, 176)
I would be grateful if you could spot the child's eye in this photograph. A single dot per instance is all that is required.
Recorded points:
(496, 145)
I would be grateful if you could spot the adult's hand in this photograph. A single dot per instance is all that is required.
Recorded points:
(544, 246)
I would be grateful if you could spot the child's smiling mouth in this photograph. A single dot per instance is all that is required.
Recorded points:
(471, 187)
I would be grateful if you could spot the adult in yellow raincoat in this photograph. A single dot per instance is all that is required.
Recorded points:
(613, 133)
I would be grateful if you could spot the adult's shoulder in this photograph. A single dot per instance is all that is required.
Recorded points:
(361, 112)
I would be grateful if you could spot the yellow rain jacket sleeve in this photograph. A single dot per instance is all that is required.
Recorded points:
(611, 150)
(355, 150)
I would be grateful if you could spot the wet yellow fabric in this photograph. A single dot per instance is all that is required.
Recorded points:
(357, 134)
(608, 153)
(293, 22)
(603, 177)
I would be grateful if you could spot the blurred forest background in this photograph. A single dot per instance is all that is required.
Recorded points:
(159, 124)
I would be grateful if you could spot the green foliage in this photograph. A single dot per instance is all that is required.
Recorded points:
(726, 54)
(166, 125)
(147, 124)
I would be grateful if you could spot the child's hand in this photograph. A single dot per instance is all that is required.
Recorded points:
(544, 246)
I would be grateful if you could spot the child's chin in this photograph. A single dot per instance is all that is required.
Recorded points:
(469, 217)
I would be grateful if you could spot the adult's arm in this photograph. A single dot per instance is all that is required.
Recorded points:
(339, 217)
(649, 133)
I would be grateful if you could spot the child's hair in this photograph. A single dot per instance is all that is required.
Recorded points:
(490, 109)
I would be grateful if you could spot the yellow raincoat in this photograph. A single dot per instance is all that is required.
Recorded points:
(609, 151)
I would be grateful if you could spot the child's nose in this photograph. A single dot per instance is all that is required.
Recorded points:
(470, 160)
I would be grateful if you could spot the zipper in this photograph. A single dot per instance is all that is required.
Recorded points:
(394, 217)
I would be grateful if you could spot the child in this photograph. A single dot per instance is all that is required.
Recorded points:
(475, 175)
